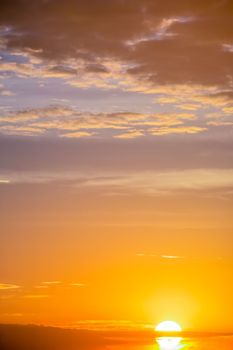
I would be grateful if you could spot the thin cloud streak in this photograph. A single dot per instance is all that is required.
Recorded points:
(151, 255)
(8, 286)
(144, 182)
(172, 257)
(77, 285)
(2, 181)
(35, 296)
(51, 283)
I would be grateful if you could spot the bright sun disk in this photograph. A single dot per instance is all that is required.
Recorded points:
(168, 326)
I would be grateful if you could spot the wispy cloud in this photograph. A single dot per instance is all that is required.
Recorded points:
(8, 286)
(177, 130)
(166, 182)
(161, 32)
(78, 134)
(5, 92)
(109, 325)
(227, 47)
(51, 283)
(4, 181)
(172, 257)
(131, 134)
(158, 256)
(145, 182)
(35, 296)
(77, 284)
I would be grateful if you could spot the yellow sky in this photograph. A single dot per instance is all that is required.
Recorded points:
(135, 258)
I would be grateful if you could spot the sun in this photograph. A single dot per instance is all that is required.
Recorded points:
(168, 326)
(171, 342)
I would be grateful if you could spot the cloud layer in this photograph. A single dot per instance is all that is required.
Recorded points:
(162, 42)
(71, 123)
(160, 54)
(68, 122)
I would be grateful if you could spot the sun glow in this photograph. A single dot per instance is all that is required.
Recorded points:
(168, 343)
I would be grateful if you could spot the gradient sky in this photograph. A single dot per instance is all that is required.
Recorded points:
(116, 162)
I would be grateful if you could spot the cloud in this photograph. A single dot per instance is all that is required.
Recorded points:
(170, 41)
(152, 183)
(51, 283)
(228, 110)
(78, 134)
(161, 32)
(131, 134)
(228, 47)
(29, 336)
(8, 286)
(77, 284)
(220, 123)
(195, 98)
(48, 284)
(107, 325)
(4, 181)
(5, 92)
(35, 296)
(142, 182)
(177, 130)
(20, 130)
(40, 113)
(72, 123)
(189, 107)
(172, 257)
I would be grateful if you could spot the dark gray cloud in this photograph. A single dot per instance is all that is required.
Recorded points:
(178, 42)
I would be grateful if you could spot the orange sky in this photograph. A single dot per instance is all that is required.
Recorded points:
(116, 163)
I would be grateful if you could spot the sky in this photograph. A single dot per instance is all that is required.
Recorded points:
(116, 163)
